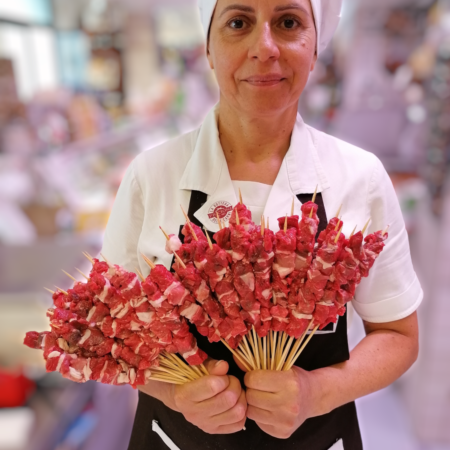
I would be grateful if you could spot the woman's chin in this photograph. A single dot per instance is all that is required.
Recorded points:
(266, 105)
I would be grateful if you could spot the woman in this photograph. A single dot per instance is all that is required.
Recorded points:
(262, 53)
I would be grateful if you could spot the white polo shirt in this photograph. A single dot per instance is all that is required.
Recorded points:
(158, 181)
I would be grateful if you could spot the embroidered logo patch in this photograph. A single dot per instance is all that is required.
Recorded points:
(221, 209)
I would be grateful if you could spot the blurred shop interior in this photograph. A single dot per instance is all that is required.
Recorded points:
(86, 85)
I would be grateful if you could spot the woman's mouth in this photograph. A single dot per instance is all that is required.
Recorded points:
(265, 80)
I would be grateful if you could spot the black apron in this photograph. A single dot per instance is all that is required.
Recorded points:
(318, 433)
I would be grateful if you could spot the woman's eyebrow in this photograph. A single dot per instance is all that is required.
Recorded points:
(291, 6)
(238, 7)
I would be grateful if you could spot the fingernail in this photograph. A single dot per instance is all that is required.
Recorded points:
(217, 363)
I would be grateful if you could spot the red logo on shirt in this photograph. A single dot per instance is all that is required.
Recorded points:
(221, 209)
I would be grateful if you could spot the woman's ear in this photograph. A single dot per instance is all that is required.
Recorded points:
(313, 63)
(208, 55)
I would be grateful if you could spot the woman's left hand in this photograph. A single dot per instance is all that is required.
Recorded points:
(279, 402)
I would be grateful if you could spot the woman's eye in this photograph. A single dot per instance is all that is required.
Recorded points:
(289, 23)
(237, 24)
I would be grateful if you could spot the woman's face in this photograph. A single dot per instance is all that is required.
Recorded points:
(262, 52)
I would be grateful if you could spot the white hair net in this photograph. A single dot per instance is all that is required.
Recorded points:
(327, 14)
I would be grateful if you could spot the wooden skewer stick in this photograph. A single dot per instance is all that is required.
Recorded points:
(261, 354)
(88, 257)
(139, 274)
(293, 206)
(353, 232)
(237, 219)
(338, 224)
(285, 353)
(209, 239)
(204, 369)
(240, 197)
(106, 261)
(339, 211)
(185, 215)
(386, 230)
(315, 194)
(314, 201)
(274, 346)
(265, 352)
(249, 352)
(149, 261)
(219, 221)
(192, 231)
(180, 261)
(243, 353)
(303, 347)
(285, 224)
(338, 236)
(70, 276)
(297, 346)
(165, 234)
(49, 290)
(255, 341)
(62, 290)
(80, 272)
(237, 355)
(365, 227)
(262, 226)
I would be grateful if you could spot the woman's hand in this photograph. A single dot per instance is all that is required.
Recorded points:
(279, 402)
(215, 403)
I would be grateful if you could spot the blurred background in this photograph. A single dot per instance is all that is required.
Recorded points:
(86, 85)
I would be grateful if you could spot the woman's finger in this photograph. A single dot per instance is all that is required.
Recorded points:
(234, 415)
(261, 415)
(223, 401)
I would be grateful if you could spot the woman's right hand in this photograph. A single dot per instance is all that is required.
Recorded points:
(216, 403)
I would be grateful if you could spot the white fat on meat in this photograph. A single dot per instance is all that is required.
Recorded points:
(114, 327)
(131, 285)
(325, 303)
(136, 302)
(173, 286)
(249, 280)
(91, 313)
(139, 347)
(54, 354)
(123, 312)
(173, 244)
(87, 372)
(190, 353)
(200, 264)
(325, 265)
(123, 378)
(202, 293)
(114, 349)
(132, 375)
(145, 317)
(190, 311)
(157, 303)
(102, 373)
(135, 326)
(85, 337)
(237, 256)
(267, 293)
(104, 292)
(75, 374)
(115, 311)
(61, 360)
(283, 271)
(301, 316)
(221, 273)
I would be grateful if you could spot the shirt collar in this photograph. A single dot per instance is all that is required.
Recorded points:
(300, 173)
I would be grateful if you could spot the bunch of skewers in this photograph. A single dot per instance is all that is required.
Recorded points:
(262, 294)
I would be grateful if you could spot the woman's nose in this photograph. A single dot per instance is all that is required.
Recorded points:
(263, 46)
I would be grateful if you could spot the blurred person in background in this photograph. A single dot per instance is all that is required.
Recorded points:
(262, 53)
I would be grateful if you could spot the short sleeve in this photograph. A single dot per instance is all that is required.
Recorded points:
(392, 291)
(120, 243)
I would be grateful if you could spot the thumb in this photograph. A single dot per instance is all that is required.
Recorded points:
(218, 368)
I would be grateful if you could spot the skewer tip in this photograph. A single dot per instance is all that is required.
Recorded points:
(285, 223)
(386, 230)
(208, 238)
(139, 274)
(338, 211)
(149, 261)
(338, 235)
(353, 232)
(62, 290)
(315, 194)
(106, 261)
(49, 290)
(262, 226)
(240, 197)
(165, 234)
(366, 226)
(70, 276)
(81, 273)
(238, 222)
(293, 206)
(219, 221)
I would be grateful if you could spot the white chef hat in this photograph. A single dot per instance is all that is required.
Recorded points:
(327, 14)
